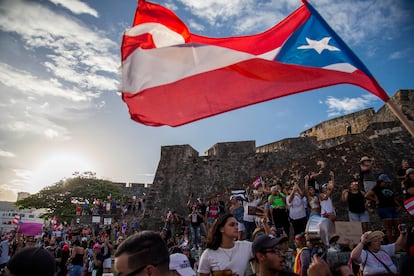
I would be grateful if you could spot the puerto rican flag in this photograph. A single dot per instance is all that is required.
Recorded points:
(257, 181)
(16, 220)
(171, 76)
(409, 205)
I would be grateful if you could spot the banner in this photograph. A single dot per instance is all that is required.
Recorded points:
(30, 228)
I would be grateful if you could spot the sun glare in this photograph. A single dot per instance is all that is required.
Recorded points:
(57, 167)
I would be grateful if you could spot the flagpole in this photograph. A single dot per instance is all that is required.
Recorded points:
(403, 119)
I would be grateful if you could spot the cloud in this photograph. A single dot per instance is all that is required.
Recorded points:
(338, 106)
(31, 85)
(73, 52)
(7, 194)
(404, 54)
(20, 182)
(75, 6)
(4, 153)
(67, 65)
(355, 21)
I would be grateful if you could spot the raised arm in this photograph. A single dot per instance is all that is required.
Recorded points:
(344, 196)
(356, 252)
(306, 178)
(401, 242)
(331, 183)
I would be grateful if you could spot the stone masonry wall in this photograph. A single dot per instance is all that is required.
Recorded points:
(404, 99)
(181, 171)
(336, 127)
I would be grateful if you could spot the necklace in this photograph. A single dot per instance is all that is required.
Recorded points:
(229, 256)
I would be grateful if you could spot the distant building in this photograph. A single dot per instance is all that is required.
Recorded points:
(8, 211)
(22, 195)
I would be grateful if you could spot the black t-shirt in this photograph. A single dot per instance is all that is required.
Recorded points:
(401, 172)
(56, 252)
(385, 196)
(356, 202)
(195, 219)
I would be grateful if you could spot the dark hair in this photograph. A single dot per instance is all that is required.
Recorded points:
(336, 268)
(145, 248)
(32, 261)
(215, 236)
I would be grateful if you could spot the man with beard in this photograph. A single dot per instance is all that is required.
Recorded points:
(269, 252)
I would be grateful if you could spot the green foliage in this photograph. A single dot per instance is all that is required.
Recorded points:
(60, 199)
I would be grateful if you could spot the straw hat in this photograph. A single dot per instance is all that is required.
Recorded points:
(374, 234)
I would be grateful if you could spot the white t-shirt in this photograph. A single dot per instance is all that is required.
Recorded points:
(246, 216)
(236, 259)
(373, 266)
(327, 207)
(296, 208)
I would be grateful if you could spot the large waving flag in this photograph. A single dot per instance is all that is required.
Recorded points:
(172, 77)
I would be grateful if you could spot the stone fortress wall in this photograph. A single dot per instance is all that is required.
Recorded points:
(225, 166)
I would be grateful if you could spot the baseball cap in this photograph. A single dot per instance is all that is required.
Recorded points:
(97, 245)
(408, 171)
(180, 263)
(264, 241)
(385, 178)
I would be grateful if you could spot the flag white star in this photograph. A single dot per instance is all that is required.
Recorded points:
(319, 45)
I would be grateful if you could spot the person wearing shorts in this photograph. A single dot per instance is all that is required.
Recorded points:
(355, 198)
(387, 206)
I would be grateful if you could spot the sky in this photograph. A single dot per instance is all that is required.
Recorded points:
(61, 110)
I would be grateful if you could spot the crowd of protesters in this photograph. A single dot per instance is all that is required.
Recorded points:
(262, 231)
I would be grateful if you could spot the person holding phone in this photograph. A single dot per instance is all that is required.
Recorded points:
(297, 212)
(277, 200)
(375, 258)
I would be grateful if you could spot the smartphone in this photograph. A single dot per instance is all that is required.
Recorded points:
(279, 231)
(252, 210)
(403, 228)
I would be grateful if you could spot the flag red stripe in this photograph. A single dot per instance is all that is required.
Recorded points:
(254, 44)
(241, 84)
(263, 42)
(150, 12)
(131, 43)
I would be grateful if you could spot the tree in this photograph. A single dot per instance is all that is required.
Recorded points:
(61, 198)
